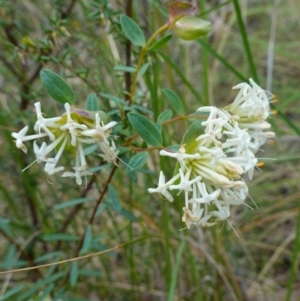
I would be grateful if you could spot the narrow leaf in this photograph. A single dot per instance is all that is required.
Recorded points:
(128, 215)
(114, 199)
(132, 31)
(60, 236)
(137, 161)
(101, 208)
(74, 273)
(10, 257)
(175, 101)
(146, 129)
(142, 71)
(46, 292)
(73, 203)
(87, 240)
(175, 271)
(117, 100)
(125, 69)
(48, 256)
(160, 43)
(57, 88)
(11, 292)
(92, 102)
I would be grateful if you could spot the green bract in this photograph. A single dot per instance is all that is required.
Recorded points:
(191, 28)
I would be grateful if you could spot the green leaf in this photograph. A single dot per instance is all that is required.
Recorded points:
(115, 99)
(142, 71)
(128, 215)
(114, 201)
(137, 161)
(87, 240)
(46, 292)
(101, 208)
(74, 273)
(146, 129)
(48, 256)
(175, 271)
(59, 236)
(92, 273)
(159, 127)
(164, 116)
(11, 292)
(10, 257)
(174, 148)
(38, 285)
(5, 225)
(190, 136)
(90, 149)
(73, 203)
(175, 101)
(57, 87)
(125, 69)
(132, 31)
(92, 102)
(160, 43)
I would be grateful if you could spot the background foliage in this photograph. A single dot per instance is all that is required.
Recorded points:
(145, 255)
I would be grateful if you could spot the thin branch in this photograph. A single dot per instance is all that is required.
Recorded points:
(11, 68)
(65, 14)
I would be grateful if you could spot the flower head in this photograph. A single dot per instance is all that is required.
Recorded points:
(69, 132)
(215, 154)
(252, 108)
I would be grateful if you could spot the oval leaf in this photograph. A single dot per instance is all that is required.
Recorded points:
(164, 116)
(146, 129)
(190, 136)
(57, 88)
(137, 161)
(132, 31)
(92, 102)
(174, 100)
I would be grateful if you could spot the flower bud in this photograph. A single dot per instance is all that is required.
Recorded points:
(191, 28)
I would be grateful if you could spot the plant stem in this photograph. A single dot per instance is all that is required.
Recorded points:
(141, 57)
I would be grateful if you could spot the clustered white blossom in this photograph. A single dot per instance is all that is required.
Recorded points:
(211, 167)
(71, 132)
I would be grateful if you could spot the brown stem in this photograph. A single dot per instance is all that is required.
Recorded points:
(11, 68)
(75, 210)
(99, 201)
(64, 14)
(23, 254)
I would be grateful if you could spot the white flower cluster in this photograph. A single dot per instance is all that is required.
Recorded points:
(71, 132)
(211, 167)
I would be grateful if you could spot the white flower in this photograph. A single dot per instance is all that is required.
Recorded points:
(69, 132)
(202, 178)
(252, 107)
(110, 153)
(162, 188)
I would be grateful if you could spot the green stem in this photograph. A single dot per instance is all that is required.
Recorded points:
(141, 57)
